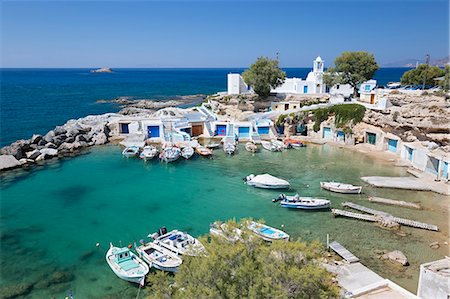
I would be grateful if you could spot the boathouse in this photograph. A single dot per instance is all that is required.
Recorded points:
(327, 133)
(434, 279)
(244, 129)
(153, 129)
(264, 128)
(129, 126)
(391, 143)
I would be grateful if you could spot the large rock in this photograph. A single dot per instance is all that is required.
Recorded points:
(33, 154)
(51, 145)
(8, 161)
(396, 256)
(36, 138)
(49, 152)
(80, 138)
(60, 130)
(100, 139)
(49, 136)
(17, 149)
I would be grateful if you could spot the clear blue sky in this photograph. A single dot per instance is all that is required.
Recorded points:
(217, 33)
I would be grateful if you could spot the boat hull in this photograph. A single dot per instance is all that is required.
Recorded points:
(355, 190)
(265, 186)
(136, 278)
(305, 207)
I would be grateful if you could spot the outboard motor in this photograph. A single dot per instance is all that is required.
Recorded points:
(279, 198)
(162, 231)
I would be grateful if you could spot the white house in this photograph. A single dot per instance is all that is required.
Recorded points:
(313, 84)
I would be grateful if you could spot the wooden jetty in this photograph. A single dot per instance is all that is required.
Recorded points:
(343, 252)
(375, 213)
(399, 203)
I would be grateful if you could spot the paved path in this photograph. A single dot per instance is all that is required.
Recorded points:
(409, 183)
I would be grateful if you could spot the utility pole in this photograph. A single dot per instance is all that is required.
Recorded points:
(278, 54)
(427, 61)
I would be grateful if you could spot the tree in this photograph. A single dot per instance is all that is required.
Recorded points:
(423, 71)
(249, 268)
(445, 84)
(352, 68)
(263, 75)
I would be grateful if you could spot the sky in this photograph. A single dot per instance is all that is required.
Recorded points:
(149, 34)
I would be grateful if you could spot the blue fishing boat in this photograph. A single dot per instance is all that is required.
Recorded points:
(299, 202)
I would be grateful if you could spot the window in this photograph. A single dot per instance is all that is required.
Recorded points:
(337, 86)
(367, 88)
(121, 256)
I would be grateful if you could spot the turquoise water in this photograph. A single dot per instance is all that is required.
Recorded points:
(34, 101)
(51, 218)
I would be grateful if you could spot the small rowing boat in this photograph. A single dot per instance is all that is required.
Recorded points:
(159, 257)
(130, 151)
(187, 152)
(148, 152)
(170, 154)
(251, 147)
(203, 151)
(341, 188)
(178, 242)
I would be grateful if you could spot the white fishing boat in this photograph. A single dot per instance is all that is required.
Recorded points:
(251, 147)
(341, 188)
(187, 152)
(213, 145)
(279, 145)
(229, 145)
(130, 151)
(148, 152)
(170, 154)
(126, 265)
(300, 202)
(178, 242)
(266, 181)
(159, 257)
(266, 232)
(224, 231)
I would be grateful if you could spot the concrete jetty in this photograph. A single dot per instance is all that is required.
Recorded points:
(343, 252)
(392, 202)
(408, 183)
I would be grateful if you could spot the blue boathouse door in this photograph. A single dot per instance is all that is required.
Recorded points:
(392, 145)
(221, 130)
(244, 132)
(153, 131)
(327, 133)
(124, 129)
(263, 130)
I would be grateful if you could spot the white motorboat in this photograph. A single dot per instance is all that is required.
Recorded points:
(341, 188)
(279, 145)
(130, 151)
(266, 181)
(300, 202)
(213, 145)
(148, 152)
(223, 230)
(178, 242)
(159, 257)
(251, 147)
(266, 232)
(229, 148)
(126, 265)
(170, 154)
(187, 152)
(270, 146)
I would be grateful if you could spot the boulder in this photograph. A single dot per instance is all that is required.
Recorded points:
(40, 158)
(434, 245)
(49, 136)
(42, 142)
(33, 154)
(16, 290)
(60, 130)
(80, 138)
(36, 138)
(17, 149)
(51, 145)
(69, 139)
(49, 152)
(100, 138)
(396, 256)
(8, 161)
(72, 132)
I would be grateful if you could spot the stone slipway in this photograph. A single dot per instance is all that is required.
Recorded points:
(408, 183)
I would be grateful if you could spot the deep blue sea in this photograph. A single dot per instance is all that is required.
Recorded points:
(36, 100)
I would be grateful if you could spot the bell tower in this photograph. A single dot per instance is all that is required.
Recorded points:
(318, 75)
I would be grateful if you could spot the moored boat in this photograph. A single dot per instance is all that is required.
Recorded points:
(159, 257)
(341, 188)
(130, 151)
(178, 242)
(148, 152)
(187, 152)
(126, 265)
(271, 146)
(203, 151)
(294, 143)
(251, 147)
(300, 202)
(170, 154)
(266, 181)
(266, 232)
